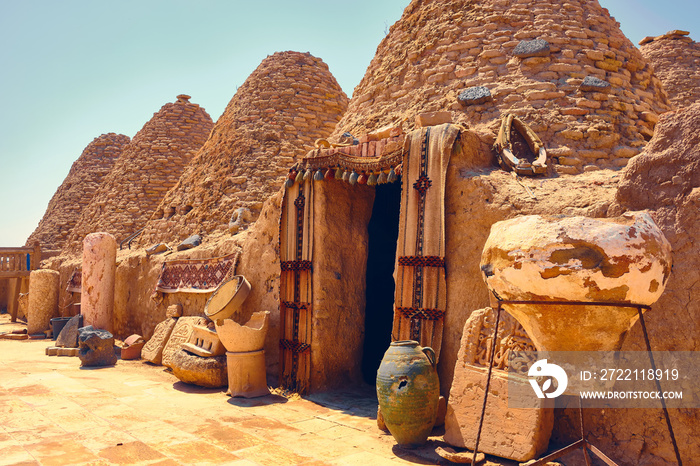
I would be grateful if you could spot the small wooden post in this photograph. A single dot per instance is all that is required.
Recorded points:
(36, 256)
(12, 297)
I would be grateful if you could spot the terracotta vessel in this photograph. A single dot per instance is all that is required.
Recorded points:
(239, 338)
(408, 391)
(246, 374)
(132, 347)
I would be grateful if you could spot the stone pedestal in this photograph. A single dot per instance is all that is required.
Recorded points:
(520, 434)
(246, 374)
(239, 338)
(99, 269)
(43, 300)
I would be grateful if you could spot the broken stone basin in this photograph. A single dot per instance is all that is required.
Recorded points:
(617, 260)
(239, 338)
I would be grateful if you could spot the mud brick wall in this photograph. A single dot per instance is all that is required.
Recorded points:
(274, 118)
(77, 190)
(149, 166)
(676, 60)
(439, 49)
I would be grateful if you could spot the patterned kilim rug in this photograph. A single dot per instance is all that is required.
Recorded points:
(75, 282)
(296, 241)
(420, 253)
(195, 275)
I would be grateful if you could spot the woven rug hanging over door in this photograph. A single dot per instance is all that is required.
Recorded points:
(420, 252)
(296, 248)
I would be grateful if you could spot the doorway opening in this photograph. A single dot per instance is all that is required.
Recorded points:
(383, 231)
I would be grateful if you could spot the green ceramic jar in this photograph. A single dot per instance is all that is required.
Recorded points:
(408, 390)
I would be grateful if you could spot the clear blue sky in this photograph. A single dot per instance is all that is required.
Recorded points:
(74, 69)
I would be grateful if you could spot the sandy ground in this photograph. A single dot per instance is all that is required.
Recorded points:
(52, 412)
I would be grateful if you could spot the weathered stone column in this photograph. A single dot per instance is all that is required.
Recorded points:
(99, 269)
(43, 300)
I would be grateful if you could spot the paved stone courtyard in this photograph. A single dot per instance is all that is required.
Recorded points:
(52, 412)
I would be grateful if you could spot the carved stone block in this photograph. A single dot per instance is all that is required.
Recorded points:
(180, 334)
(515, 433)
(153, 350)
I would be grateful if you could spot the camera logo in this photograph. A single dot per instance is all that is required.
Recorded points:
(552, 372)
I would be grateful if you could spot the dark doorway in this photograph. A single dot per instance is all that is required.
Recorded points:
(383, 230)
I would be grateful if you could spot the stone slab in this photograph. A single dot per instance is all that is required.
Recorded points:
(68, 337)
(180, 334)
(174, 310)
(591, 83)
(516, 433)
(14, 336)
(532, 48)
(152, 351)
(474, 95)
(68, 352)
(190, 242)
(433, 118)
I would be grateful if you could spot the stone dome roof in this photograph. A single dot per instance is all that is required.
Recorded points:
(287, 103)
(676, 60)
(77, 190)
(149, 165)
(565, 68)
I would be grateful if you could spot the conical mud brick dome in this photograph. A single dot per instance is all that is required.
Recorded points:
(287, 103)
(77, 190)
(676, 61)
(149, 165)
(565, 68)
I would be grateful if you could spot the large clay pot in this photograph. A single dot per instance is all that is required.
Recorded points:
(408, 390)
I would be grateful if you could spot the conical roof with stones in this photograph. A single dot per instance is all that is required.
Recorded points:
(440, 48)
(149, 166)
(274, 118)
(676, 60)
(77, 190)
